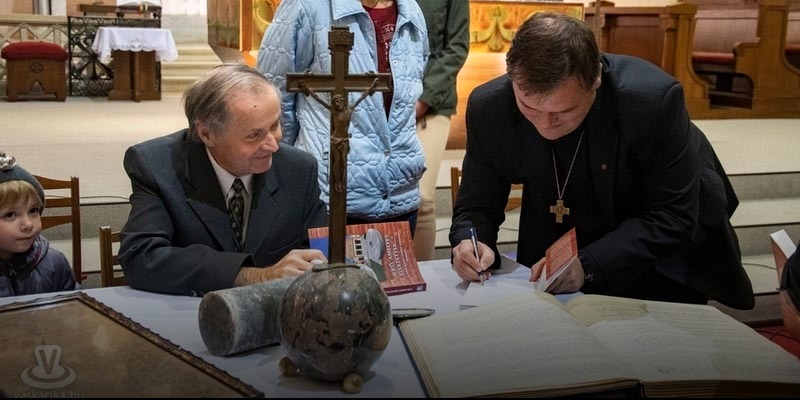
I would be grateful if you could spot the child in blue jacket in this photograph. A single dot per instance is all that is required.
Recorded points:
(28, 265)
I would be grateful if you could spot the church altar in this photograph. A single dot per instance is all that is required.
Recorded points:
(135, 52)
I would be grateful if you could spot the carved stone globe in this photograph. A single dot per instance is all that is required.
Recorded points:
(335, 320)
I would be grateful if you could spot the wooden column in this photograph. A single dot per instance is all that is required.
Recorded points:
(134, 76)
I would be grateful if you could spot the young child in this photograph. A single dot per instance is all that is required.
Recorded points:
(28, 264)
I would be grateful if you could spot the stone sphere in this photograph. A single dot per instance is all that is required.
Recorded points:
(335, 320)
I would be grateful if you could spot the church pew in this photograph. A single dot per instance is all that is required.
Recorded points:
(723, 23)
(661, 35)
(743, 47)
(651, 33)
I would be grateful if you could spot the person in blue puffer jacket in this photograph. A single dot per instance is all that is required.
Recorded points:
(386, 161)
(28, 265)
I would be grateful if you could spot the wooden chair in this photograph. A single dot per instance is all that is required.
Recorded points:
(62, 209)
(514, 200)
(108, 259)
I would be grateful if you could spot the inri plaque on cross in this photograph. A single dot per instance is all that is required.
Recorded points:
(339, 83)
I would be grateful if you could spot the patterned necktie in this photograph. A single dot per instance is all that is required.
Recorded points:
(236, 212)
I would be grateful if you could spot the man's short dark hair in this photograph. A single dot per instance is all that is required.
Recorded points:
(550, 47)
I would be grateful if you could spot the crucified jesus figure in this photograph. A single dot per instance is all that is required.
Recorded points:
(340, 139)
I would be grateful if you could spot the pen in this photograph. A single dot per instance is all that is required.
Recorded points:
(474, 236)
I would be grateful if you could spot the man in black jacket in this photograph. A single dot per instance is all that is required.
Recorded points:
(602, 143)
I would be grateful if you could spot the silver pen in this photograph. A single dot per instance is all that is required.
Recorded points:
(474, 236)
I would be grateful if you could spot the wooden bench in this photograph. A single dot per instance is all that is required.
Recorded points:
(742, 48)
(666, 36)
(661, 35)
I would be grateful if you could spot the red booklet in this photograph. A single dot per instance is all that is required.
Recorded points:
(384, 247)
(558, 258)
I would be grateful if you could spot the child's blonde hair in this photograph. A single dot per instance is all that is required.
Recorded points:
(11, 192)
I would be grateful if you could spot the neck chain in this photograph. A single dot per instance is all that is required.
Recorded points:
(559, 209)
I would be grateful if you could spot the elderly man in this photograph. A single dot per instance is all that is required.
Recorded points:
(222, 203)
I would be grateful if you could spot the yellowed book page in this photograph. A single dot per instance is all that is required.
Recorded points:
(522, 344)
(663, 341)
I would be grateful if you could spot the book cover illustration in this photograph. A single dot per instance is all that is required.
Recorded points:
(559, 257)
(386, 248)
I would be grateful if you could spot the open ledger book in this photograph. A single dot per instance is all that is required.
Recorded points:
(532, 345)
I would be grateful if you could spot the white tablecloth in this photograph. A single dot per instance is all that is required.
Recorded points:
(110, 38)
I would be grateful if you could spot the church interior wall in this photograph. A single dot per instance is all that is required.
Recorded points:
(191, 7)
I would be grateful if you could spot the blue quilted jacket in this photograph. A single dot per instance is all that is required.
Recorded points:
(386, 160)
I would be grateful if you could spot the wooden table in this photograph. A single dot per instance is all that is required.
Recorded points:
(135, 52)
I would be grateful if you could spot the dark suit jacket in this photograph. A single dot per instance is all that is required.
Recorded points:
(178, 238)
(665, 201)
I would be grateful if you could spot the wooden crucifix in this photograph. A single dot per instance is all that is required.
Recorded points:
(339, 84)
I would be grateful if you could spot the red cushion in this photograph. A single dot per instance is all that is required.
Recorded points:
(712, 57)
(31, 50)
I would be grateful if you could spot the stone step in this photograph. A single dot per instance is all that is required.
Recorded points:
(754, 220)
(766, 185)
(767, 212)
(187, 68)
(176, 84)
(195, 51)
(193, 61)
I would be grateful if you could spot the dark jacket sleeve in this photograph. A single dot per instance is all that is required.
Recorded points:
(147, 254)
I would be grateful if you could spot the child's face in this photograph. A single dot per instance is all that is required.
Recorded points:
(20, 224)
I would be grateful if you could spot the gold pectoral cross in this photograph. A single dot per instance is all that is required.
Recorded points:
(559, 210)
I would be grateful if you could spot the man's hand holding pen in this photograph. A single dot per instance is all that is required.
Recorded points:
(471, 258)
